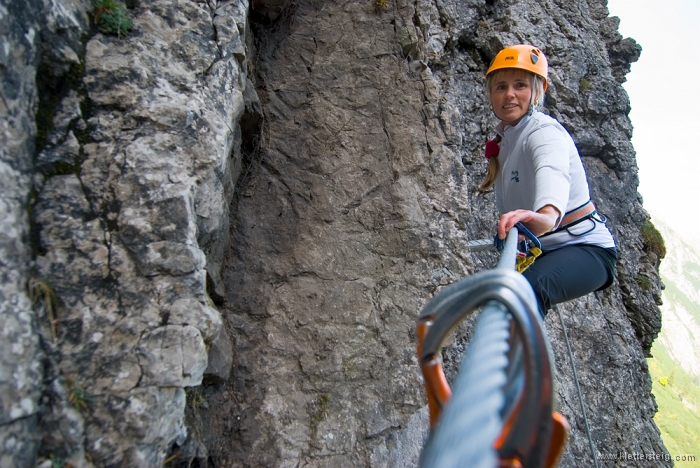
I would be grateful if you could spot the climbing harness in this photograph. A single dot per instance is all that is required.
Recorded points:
(577, 216)
(507, 370)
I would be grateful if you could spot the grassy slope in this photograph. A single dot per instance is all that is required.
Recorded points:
(679, 423)
(678, 417)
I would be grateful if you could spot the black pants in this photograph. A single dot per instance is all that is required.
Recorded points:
(570, 272)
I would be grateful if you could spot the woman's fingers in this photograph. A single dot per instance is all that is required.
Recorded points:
(508, 220)
(538, 222)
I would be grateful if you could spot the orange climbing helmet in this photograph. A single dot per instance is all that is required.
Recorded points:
(522, 56)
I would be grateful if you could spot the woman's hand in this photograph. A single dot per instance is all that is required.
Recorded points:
(538, 222)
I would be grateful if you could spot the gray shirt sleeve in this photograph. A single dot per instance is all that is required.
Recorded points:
(550, 148)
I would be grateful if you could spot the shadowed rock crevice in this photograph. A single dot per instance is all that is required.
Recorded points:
(322, 227)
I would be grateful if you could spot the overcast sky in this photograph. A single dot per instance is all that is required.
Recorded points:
(664, 90)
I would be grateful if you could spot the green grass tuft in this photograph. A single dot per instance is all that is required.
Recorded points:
(584, 84)
(321, 409)
(78, 397)
(195, 399)
(111, 17)
(40, 290)
(653, 240)
(644, 282)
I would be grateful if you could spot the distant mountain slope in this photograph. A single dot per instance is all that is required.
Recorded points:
(680, 271)
(675, 366)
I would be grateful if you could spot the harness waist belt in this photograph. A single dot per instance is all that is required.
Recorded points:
(577, 214)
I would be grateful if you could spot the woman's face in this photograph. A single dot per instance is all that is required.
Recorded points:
(511, 91)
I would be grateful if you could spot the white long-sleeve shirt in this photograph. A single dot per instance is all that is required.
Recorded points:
(539, 166)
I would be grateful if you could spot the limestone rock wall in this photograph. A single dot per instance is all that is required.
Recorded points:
(115, 219)
(218, 229)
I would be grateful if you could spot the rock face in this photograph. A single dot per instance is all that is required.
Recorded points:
(218, 229)
(137, 148)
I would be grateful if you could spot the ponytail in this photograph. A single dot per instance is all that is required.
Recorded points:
(492, 171)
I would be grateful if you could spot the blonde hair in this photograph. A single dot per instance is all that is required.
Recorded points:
(536, 101)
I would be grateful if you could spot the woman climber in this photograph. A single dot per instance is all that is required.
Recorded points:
(540, 181)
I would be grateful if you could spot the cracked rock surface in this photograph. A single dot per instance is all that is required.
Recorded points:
(218, 229)
(137, 142)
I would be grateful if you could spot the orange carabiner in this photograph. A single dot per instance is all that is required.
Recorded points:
(436, 386)
(439, 393)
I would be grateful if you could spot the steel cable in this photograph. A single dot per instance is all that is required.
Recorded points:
(500, 373)
(484, 362)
